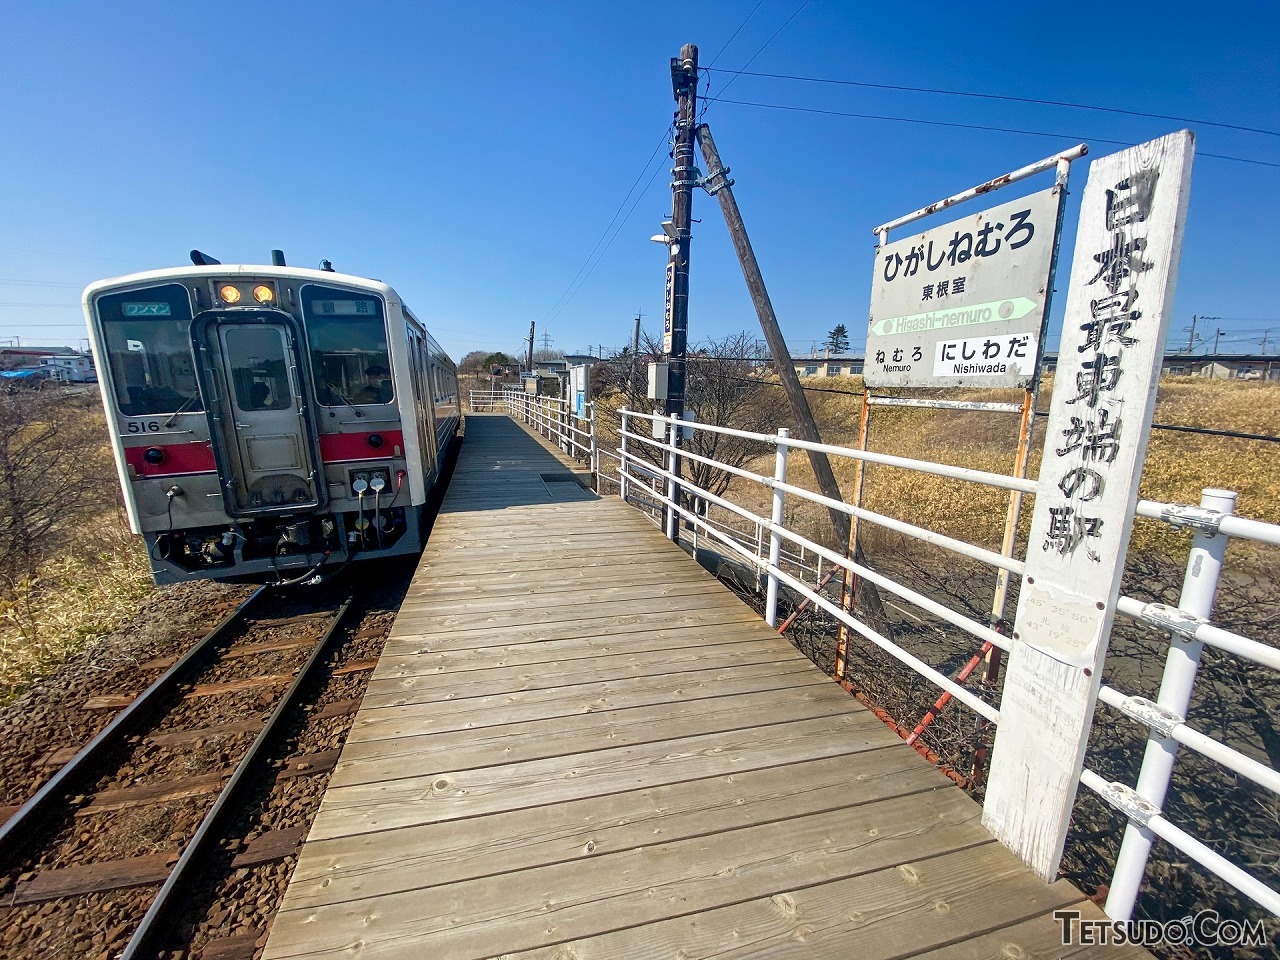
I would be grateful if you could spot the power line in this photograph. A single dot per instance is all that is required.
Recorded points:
(1001, 97)
(570, 291)
(966, 126)
(784, 26)
(735, 33)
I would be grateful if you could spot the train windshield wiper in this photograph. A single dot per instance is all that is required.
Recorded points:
(358, 412)
(182, 408)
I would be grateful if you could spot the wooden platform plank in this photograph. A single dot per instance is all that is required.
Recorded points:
(412, 719)
(456, 794)
(474, 683)
(429, 855)
(578, 744)
(382, 760)
(501, 655)
(556, 902)
(612, 624)
(1039, 938)
(897, 911)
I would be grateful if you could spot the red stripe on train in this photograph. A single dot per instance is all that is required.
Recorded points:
(179, 458)
(356, 446)
(197, 457)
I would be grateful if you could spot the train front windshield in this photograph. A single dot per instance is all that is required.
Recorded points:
(347, 333)
(147, 335)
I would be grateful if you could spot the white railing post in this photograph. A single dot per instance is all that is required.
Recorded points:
(1198, 590)
(622, 458)
(673, 518)
(775, 538)
(592, 452)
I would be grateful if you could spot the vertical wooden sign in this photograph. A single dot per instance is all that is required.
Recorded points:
(1117, 317)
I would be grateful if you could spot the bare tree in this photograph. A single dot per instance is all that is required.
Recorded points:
(51, 475)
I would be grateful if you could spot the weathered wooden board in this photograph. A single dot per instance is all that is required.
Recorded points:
(452, 794)
(381, 760)
(152, 868)
(122, 798)
(509, 912)
(897, 911)
(414, 719)
(367, 865)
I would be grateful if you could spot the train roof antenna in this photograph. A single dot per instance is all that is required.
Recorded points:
(326, 266)
(277, 258)
(203, 259)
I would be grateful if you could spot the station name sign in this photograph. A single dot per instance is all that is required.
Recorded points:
(963, 304)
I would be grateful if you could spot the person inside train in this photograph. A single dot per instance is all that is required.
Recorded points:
(378, 387)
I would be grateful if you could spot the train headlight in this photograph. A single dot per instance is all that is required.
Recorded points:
(154, 455)
(229, 293)
(263, 294)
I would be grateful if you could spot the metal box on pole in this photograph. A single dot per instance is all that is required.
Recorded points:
(658, 381)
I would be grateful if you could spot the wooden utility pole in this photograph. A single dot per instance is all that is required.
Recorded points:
(720, 186)
(531, 324)
(684, 84)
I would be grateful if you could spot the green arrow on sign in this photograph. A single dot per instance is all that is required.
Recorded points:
(992, 312)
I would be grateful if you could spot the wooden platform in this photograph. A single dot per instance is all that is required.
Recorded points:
(579, 745)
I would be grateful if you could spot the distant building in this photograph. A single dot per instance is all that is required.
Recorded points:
(70, 368)
(843, 365)
(28, 356)
(1218, 366)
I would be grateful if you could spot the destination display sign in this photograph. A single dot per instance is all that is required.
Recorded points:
(962, 304)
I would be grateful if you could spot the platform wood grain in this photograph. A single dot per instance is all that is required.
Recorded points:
(578, 744)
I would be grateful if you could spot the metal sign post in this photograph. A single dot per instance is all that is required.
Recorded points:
(1122, 280)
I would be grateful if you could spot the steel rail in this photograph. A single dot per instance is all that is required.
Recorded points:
(45, 801)
(155, 922)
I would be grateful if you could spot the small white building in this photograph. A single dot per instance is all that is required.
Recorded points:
(70, 368)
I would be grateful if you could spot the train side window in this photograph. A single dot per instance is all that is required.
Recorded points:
(148, 344)
(347, 334)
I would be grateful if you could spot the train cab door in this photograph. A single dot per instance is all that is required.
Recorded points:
(263, 437)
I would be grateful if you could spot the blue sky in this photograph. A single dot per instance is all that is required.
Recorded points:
(472, 155)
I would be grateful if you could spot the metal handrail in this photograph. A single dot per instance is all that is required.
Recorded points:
(1189, 625)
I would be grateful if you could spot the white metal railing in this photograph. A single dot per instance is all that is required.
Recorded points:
(784, 557)
(1166, 716)
(1188, 623)
(556, 420)
(771, 567)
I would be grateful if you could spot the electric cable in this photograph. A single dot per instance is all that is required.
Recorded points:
(570, 291)
(965, 126)
(1000, 97)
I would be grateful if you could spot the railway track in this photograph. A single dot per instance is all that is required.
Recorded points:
(172, 832)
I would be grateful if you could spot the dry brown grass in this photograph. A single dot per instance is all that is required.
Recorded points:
(81, 592)
(1177, 467)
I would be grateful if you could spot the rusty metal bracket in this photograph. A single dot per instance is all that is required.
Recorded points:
(1127, 801)
(1173, 619)
(1160, 719)
(1205, 521)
